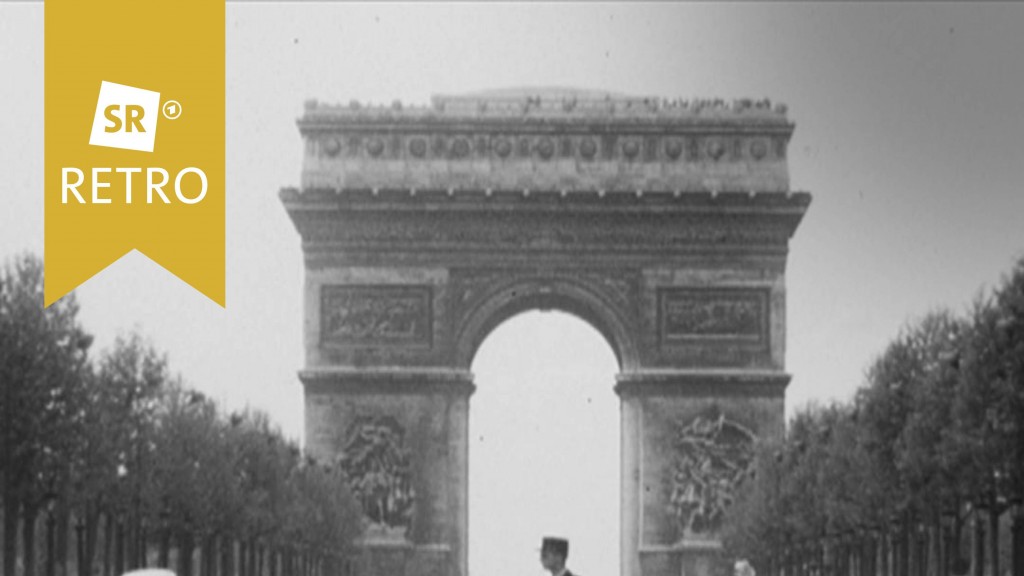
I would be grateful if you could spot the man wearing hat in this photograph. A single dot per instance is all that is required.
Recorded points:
(553, 552)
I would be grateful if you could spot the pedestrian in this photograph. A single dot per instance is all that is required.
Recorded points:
(553, 553)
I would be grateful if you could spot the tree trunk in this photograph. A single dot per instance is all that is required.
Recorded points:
(131, 543)
(80, 561)
(906, 548)
(952, 551)
(204, 556)
(1018, 544)
(242, 567)
(51, 545)
(142, 546)
(883, 555)
(108, 544)
(164, 558)
(993, 535)
(873, 555)
(63, 531)
(185, 546)
(925, 540)
(92, 530)
(978, 558)
(252, 557)
(225, 556)
(11, 510)
(209, 557)
(119, 547)
(28, 539)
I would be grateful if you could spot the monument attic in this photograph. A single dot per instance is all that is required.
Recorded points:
(664, 224)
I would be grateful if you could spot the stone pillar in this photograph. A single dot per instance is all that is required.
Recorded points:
(422, 416)
(669, 417)
(630, 455)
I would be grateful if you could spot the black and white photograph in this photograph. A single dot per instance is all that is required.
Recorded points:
(515, 289)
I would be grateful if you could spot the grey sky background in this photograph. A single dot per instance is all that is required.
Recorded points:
(910, 136)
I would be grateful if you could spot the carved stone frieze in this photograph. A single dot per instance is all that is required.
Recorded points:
(573, 140)
(373, 315)
(382, 233)
(582, 147)
(713, 456)
(729, 315)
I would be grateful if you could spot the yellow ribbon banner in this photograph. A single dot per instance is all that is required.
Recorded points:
(134, 139)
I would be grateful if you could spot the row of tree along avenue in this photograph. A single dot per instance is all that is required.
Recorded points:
(109, 462)
(922, 473)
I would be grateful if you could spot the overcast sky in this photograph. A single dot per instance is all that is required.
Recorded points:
(909, 135)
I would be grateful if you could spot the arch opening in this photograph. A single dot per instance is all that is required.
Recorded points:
(544, 450)
(582, 300)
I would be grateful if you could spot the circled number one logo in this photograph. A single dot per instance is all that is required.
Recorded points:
(172, 109)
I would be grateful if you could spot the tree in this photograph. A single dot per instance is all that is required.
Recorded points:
(116, 448)
(817, 480)
(938, 423)
(1009, 300)
(123, 440)
(989, 400)
(43, 355)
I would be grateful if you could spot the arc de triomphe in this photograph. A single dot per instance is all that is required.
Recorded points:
(664, 224)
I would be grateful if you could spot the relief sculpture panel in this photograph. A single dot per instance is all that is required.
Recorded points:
(377, 464)
(713, 456)
(376, 315)
(691, 315)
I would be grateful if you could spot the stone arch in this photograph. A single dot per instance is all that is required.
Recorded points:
(665, 225)
(580, 298)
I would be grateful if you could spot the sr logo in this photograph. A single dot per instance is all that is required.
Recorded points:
(133, 114)
(125, 118)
